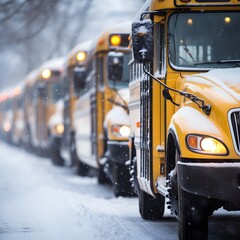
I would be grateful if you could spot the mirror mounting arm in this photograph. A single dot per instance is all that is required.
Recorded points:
(200, 102)
(152, 13)
(123, 106)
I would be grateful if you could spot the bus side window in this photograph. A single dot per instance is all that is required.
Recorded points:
(89, 78)
(159, 46)
(100, 73)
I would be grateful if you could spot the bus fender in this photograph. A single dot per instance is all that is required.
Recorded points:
(188, 120)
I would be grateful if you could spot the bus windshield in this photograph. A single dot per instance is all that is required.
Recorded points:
(204, 40)
(124, 81)
(56, 91)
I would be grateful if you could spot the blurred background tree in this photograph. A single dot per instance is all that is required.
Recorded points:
(33, 31)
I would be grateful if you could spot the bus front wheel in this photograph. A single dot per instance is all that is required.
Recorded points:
(192, 219)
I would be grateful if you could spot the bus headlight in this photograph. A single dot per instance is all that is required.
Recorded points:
(120, 130)
(205, 145)
(7, 127)
(59, 128)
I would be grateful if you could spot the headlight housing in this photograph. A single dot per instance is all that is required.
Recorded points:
(205, 145)
(120, 130)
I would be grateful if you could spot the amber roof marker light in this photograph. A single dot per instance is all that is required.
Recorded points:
(46, 73)
(115, 40)
(81, 56)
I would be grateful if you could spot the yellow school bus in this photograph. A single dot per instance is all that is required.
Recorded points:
(185, 110)
(42, 91)
(29, 108)
(17, 125)
(10, 115)
(6, 115)
(75, 59)
(101, 120)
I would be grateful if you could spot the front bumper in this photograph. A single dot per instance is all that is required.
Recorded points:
(118, 151)
(213, 180)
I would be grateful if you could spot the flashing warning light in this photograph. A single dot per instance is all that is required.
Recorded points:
(190, 21)
(115, 40)
(46, 73)
(81, 56)
(227, 19)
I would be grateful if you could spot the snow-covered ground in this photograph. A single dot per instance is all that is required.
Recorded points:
(39, 201)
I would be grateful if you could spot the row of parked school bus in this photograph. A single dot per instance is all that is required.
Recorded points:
(158, 105)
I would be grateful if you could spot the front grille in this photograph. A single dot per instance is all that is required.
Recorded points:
(234, 117)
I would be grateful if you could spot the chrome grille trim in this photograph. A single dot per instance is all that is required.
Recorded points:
(234, 122)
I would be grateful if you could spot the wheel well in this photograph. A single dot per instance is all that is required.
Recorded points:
(105, 138)
(171, 152)
(132, 149)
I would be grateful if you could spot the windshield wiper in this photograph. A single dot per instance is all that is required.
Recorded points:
(235, 61)
(124, 105)
(187, 50)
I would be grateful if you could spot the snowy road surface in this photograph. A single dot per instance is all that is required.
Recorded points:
(39, 201)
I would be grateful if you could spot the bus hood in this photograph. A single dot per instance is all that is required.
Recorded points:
(228, 79)
(123, 94)
(218, 85)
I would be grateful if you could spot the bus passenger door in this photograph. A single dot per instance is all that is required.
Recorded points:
(93, 112)
(100, 107)
(67, 113)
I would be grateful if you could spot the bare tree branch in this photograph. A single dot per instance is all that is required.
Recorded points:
(11, 6)
(26, 21)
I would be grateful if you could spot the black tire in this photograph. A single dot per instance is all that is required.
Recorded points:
(191, 210)
(121, 180)
(55, 152)
(101, 176)
(192, 219)
(73, 154)
(151, 208)
(80, 169)
(57, 160)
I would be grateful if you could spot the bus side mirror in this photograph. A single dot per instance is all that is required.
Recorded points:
(142, 41)
(78, 78)
(41, 90)
(115, 66)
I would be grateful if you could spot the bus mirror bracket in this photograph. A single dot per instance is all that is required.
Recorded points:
(142, 41)
(42, 91)
(115, 65)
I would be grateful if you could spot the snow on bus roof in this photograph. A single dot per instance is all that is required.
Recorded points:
(101, 41)
(84, 46)
(31, 76)
(123, 27)
(55, 63)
